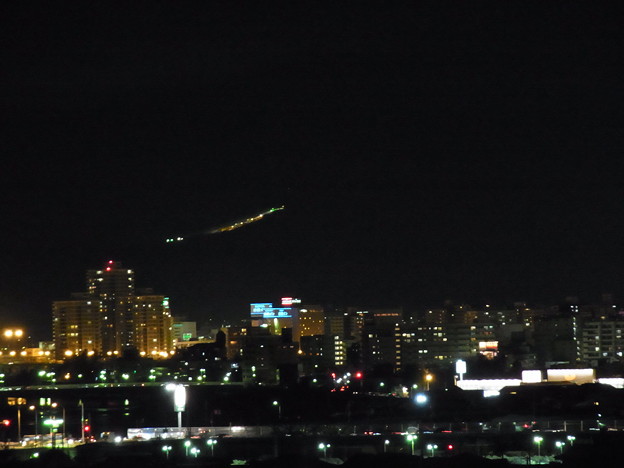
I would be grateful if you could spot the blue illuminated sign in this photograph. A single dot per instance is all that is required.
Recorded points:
(278, 312)
(267, 311)
(260, 308)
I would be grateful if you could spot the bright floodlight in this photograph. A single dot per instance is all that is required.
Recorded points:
(421, 398)
(179, 398)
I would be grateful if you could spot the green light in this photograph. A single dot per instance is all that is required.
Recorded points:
(53, 422)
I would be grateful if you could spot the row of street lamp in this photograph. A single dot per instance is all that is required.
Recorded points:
(189, 449)
(411, 438)
(559, 444)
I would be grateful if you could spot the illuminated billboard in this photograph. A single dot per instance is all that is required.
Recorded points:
(531, 376)
(277, 312)
(267, 311)
(577, 376)
(489, 349)
(258, 309)
(288, 301)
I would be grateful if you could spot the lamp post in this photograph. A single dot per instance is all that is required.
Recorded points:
(19, 423)
(166, 449)
(195, 451)
(428, 379)
(538, 440)
(187, 445)
(55, 405)
(559, 445)
(432, 447)
(211, 443)
(412, 438)
(279, 409)
(18, 402)
(36, 410)
(322, 446)
(571, 439)
(386, 443)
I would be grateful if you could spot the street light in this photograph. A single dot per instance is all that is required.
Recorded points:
(211, 443)
(386, 443)
(187, 444)
(36, 410)
(13, 333)
(279, 409)
(428, 379)
(324, 448)
(166, 449)
(538, 440)
(55, 405)
(195, 451)
(433, 448)
(571, 439)
(560, 445)
(412, 438)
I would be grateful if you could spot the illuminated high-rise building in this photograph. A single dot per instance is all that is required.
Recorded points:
(110, 317)
(76, 327)
(113, 286)
(152, 325)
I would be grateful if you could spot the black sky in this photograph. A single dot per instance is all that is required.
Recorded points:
(463, 151)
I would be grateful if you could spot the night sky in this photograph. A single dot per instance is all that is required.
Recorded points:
(468, 151)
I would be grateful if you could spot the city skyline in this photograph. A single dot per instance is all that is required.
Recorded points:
(419, 156)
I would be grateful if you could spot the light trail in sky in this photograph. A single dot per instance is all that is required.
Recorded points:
(229, 227)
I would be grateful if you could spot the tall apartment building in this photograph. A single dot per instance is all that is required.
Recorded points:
(151, 325)
(76, 327)
(110, 317)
